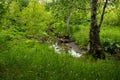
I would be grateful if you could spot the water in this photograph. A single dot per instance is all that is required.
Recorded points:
(74, 53)
(56, 48)
(71, 51)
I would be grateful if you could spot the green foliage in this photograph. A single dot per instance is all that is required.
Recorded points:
(2, 3)
(7, 36)
(118, 13)
(62, 10)
(109, 33)
(110, 37)
(112, 47)
(2, 10)
(32, 20)
(111, 18)
(14, 13)
(1, 7)
(81, 36)
(3, 42)
(25, 22)
(35, 19)
(112, 15)
(23, 3)
(61, 29)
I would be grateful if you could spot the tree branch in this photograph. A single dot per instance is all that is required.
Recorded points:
(103, 12)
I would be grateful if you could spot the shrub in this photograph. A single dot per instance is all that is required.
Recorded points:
(112, 15)
(35, 19)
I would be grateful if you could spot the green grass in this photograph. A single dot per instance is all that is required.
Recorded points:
(30, 60)
(107, 34)
(81, 35)
(110, 33)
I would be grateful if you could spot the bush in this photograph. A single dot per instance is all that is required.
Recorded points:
(110, 38)
(35, 19)
(112, 15)
(112, 47)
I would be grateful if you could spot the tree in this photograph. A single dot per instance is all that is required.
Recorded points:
(64, 11)
(35, 19)
(94, 44)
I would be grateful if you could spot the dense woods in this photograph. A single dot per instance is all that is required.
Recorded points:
(59, 39)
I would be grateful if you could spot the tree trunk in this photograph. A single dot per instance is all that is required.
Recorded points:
(68, 21)
(94, 44)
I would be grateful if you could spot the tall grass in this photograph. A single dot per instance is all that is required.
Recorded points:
(81, 35)
(110, 33)
(107, 34)
(30, 60)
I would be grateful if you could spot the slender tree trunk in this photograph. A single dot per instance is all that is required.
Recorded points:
(68, 20)
(103, 12)
(94, 44)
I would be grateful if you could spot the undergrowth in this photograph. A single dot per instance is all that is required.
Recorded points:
(110, 36)
(30, 60)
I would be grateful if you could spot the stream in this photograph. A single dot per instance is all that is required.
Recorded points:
(70, 48)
